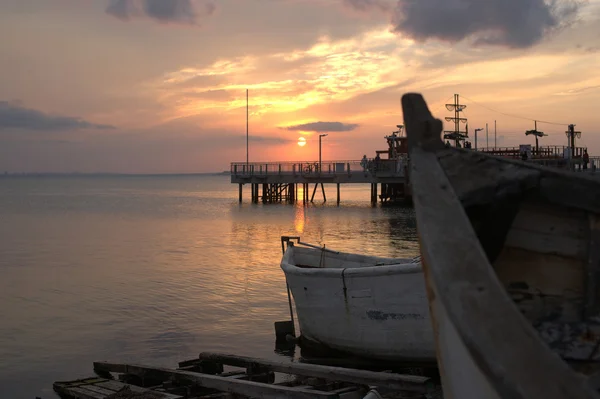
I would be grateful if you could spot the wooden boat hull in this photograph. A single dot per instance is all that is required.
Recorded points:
(377, 312)
(508, 289)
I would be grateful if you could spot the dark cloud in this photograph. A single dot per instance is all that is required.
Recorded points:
(164, 11)
(510, 23)
(14, 116)
(323, 127)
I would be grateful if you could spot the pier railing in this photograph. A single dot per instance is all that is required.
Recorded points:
(311, 168)
(552, 151)
(575, 164)
(554, 156)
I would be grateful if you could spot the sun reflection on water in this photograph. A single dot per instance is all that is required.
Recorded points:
(299, 215)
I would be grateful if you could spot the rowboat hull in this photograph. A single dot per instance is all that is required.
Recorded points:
(510, 257)
(377, 312)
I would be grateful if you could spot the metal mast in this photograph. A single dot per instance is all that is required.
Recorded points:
(457, 135)
(537, 135)
(571, 133)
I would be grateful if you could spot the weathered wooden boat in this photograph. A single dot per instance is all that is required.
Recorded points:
(511, 256)
(367, 306)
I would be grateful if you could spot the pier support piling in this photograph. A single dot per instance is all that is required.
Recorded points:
(373, 193)
(315, 191)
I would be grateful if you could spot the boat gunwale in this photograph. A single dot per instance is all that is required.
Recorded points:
(365, 271)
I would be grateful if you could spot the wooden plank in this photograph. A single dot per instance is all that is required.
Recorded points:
(544, 287)
(485, 347)
(248, 388)
(592, 296)
(553, 244)
(84, 381)
(575, 190)
(552, 219)
(81, 392)
(116, 385)
(549, 229)
(388, 380)
(99, 390)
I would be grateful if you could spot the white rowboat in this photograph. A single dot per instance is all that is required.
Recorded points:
(367, 306)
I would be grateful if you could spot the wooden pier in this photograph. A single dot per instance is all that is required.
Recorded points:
(207, 377)
(280, 181)
(283, 181)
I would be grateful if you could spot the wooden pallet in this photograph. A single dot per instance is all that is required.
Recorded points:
(205, 377)
(102, 388)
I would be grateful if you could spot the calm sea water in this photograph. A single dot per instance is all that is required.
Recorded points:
(156, 269)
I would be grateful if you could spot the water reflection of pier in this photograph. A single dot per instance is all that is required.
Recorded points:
(279, 181)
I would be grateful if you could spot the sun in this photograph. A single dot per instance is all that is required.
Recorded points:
(301, 141)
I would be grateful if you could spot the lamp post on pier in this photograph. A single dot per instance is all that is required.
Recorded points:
(320, 136)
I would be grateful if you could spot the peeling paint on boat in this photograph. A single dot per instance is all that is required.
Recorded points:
(378, 315)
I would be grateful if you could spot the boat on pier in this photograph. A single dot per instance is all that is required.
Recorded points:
(366, 306)
(511, 255)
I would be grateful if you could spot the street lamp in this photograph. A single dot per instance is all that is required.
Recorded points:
(320, 135)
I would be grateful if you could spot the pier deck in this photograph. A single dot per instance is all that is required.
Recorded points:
(280, 180)
(387, 171)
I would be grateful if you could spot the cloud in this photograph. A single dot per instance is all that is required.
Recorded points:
(13, 116)
(214, 95)
(164, 11)
(580, 90)
(366, 5)
(326, 72)
(509, 23)
(323, 127)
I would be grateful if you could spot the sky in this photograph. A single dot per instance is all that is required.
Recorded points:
(159, 86)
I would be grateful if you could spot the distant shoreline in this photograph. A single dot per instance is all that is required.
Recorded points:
(107, 174)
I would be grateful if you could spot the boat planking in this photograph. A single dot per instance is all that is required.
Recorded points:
(510, 256)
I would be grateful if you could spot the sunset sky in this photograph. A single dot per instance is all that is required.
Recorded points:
(159, 86)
